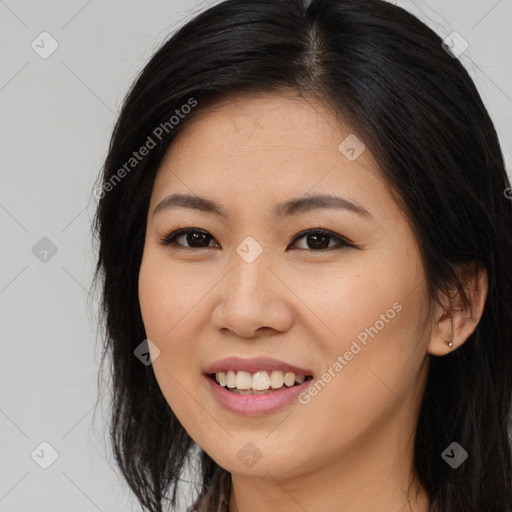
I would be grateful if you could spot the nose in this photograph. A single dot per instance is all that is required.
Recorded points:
(253, 300)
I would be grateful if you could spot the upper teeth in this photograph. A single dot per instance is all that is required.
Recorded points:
(258, 381)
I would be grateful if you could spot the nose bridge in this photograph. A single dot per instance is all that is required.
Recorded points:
(250, 275)
(251, 293)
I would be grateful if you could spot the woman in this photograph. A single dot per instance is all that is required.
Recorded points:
(303, 226)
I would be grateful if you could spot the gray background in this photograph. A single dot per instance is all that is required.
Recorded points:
(56, 115)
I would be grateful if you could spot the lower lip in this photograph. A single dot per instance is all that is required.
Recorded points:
(255, 404)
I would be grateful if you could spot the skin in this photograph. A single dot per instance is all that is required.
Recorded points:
(350, 448)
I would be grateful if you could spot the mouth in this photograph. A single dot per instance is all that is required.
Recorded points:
(263, 382)
(256, 386)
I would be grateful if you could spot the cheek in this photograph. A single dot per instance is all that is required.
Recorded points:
(165, 297)
(346, 299)
(167, 306)
(374, 318)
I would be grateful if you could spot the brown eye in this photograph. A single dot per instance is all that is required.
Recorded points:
(188, 238)
(320, 239)
(316, 239)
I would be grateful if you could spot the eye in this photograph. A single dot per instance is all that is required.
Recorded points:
(316, 239)
(196, 238)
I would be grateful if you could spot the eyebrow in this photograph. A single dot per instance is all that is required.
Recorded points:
(287, 208)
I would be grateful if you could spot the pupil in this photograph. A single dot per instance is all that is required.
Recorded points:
(196, 238)
(316, 237)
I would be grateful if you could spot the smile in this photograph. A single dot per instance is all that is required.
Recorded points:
(257, 383)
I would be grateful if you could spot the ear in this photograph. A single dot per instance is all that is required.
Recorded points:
(454, 320)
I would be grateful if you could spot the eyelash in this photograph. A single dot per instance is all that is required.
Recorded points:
(170, 239)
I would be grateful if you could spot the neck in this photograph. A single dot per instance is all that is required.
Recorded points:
(307, 494)
(371, 477)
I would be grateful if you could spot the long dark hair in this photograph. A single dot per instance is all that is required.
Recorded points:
(417, 110)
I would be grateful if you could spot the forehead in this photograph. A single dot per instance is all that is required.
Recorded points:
(266, 127)
(280, 145)
(286, 118)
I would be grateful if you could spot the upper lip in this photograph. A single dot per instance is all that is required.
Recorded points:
(254, 365)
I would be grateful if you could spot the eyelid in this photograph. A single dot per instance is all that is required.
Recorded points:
(343, 242)
(170, 238)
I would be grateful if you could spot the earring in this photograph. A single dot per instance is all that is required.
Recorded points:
(449, 343)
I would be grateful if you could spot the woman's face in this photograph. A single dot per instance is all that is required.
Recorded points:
(248, 283)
